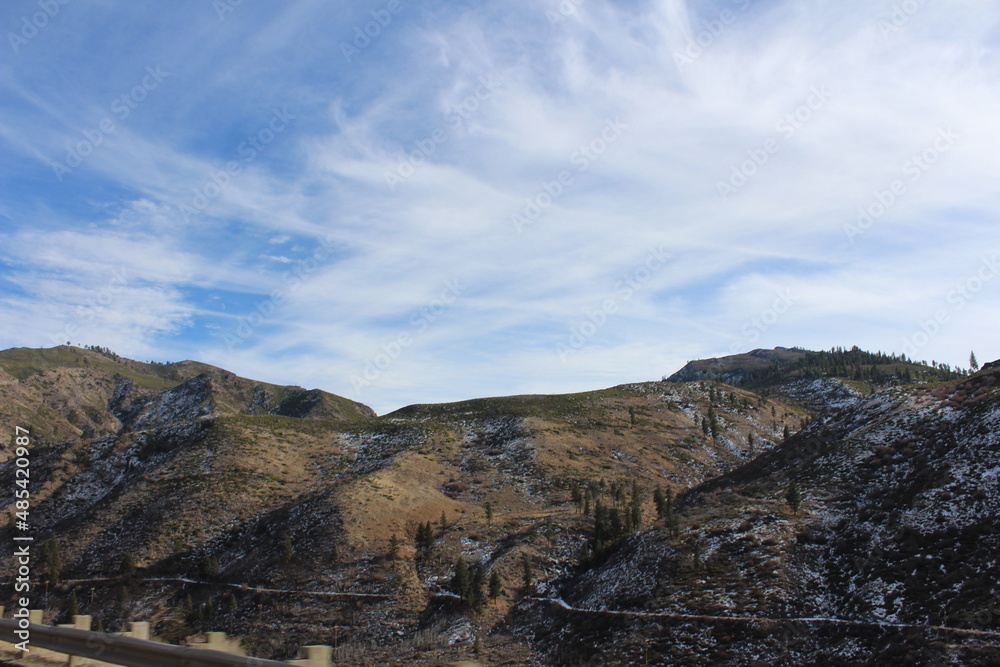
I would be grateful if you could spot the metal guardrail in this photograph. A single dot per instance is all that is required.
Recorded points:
(127, 651)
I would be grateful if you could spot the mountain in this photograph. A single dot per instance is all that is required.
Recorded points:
(820, 380)
(68, 392)
(186, 496)
(893, 557)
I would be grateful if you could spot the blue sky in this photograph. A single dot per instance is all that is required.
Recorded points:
(409, 202)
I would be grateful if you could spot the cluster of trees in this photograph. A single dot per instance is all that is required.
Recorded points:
(718, 397)
(617, 512)
(857, 364)
(425, 536)
(200, 614)
(588, 495)
(710, 424)
(103, 351)
(666, 510)
(468, 582)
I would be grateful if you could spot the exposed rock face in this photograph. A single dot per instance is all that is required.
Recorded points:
(138, 412)
(733, 369)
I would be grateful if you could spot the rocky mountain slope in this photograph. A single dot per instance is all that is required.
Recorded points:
(184, 495)
(822, 381)
(892, 558)
(68, 392)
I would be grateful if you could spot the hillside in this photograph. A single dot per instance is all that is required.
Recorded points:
(821, 380)
(68, 392)
(896, 540)
(177, 478)
(199, 500)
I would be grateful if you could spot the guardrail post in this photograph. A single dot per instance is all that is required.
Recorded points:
(35, 616)
(140, 630)
(216, 640)
(316, 656)
(80, 622)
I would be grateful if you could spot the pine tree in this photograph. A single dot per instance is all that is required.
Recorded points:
(476, 580)
(128, 565)
(671, 520)
(393, 552)
(425, 535)
(615, 527)
(51, 559)
(496, 585)
(122, 600)
(586, 555)
(787, 433)
(696, 551)
(210, 567)
(973, 363)
(527, 576)
(444, 520)
(461, 584)
(489, 514)
(793, 497)
(659, 499)
(635, 509)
